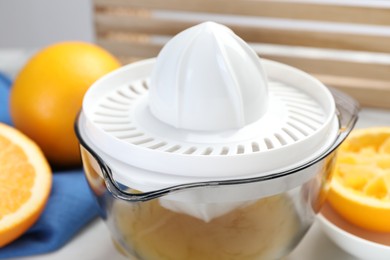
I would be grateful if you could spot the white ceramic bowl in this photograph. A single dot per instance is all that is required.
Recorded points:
(356, 241)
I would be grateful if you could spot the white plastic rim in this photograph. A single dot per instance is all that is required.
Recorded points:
(203, 164)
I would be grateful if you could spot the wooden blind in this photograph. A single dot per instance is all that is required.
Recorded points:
(346, 45)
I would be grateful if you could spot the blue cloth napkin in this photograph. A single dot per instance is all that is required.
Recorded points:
(69, 208)
(5, 84)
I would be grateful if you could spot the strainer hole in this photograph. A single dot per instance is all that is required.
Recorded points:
(224, 151)
(145, 84)
(191, 150)
(173, 149)
(134, 89)
(280, 139)
(113, 108)
(255, 147)
(208, 151)
(291, 134)
(113, 100)
(130, 136)
(143, 141)
(119, 129)
(122, 94)
(108, 122)
(98, 113)
(268, 143)
(158, 145)
(240, 149)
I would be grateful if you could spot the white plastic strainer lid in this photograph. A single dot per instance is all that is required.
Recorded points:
(207, 109)
(296, 121)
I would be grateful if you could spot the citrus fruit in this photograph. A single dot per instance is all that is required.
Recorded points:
(360, 188)
(47, 95)
(25, 183)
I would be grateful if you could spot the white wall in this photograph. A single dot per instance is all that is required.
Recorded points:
(33, 24)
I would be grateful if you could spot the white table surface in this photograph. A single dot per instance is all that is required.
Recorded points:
(94, 242)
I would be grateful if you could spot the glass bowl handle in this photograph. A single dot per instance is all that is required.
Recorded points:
(347, 109)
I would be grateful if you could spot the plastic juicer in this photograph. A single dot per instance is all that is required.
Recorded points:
(210, 152)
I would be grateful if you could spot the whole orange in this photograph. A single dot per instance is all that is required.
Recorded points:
(47, 95)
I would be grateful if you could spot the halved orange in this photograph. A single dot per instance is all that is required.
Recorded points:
(25, 183)
(360, 188)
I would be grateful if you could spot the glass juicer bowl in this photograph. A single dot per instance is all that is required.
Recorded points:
(175, 189)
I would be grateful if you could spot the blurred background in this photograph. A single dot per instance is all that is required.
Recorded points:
(36, 23)
(29, 25)
(344, 43)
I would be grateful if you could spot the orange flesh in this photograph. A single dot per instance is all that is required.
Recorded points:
(17, 177)
(25, 183)
(361, 185)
